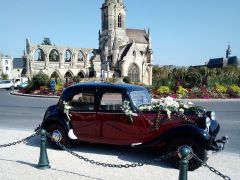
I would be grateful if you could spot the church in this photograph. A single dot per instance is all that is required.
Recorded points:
(122, 52)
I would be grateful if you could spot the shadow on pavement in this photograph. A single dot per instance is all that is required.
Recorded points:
(129, 154)
(58, 170)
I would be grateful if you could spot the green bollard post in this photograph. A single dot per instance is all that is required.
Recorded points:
(184, 153)
(43, 162)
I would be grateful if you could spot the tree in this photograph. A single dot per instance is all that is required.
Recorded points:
(4, 76)
(193, 78)
(40, 79)
(46, 41)
(162, 76)
(179, 75)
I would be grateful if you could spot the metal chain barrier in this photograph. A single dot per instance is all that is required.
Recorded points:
(20, 141)
(211, 168)
(113, 165)
(132, 165)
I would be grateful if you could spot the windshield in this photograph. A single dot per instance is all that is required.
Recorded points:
(140, 98)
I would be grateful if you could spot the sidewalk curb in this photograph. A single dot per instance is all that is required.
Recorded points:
(32, 95)
(193, 100)
(213, 100)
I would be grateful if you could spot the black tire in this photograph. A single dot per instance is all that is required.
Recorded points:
(56, 128)
(12, 88)
(195, 145)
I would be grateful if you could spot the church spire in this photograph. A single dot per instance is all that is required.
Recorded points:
(148, 33)
(228, 51)
(114, 1)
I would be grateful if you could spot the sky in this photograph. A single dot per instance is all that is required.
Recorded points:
(183, 32)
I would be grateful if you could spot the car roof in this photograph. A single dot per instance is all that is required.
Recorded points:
(104, 86)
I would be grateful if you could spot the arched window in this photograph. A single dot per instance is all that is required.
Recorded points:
(55, 76)
(133, 73)
(119, 21)
(68, 75)
(134, 53)
(68, 56)
(54, 56)
(81, 75)
(39, 55)
(68, 78)
(80, 56)
(90, 56)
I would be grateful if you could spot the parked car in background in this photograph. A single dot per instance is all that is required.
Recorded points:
(7, 84)
(123, 114)
(22, 85)
(12, 83)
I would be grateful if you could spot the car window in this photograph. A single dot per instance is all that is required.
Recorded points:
(140, 98)
(5, 82)
(83, 101)
(111, 102)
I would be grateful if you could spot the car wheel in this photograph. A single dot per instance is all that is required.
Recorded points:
(197, 148)
(58, 135)
(12, 88)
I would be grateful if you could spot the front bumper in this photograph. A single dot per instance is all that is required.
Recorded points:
(216, 144)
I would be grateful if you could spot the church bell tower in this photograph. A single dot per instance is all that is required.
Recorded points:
(113, 29)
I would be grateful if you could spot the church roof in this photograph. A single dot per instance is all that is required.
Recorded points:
(125, 50)
(18, 63)
(233, 60)
(216, 62)
(137, 35)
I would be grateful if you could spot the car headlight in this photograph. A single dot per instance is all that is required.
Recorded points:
(211, 115)
(204, 122)
(208, 122)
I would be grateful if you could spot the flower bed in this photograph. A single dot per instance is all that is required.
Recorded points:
(218, 92)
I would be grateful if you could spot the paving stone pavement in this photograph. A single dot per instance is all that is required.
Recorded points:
(19, 162)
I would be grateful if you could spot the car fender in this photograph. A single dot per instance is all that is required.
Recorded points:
(182, 130)
(62, 120)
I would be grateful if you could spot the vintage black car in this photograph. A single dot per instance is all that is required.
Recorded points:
(124, 114)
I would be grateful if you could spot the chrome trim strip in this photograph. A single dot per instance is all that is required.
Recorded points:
(136, 144)
(71, 134)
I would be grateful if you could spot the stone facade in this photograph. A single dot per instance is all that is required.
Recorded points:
(64, 62)
(122, 52)
(6, 65)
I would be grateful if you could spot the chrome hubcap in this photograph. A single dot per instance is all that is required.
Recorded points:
(56, 135)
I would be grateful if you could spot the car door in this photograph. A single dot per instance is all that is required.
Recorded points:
(115, 127)
(84, 118)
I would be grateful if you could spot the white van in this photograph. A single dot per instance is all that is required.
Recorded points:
(12, 84)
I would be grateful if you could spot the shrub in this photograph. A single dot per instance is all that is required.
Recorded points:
(5, 76)
(59, 87)
(39, 80)
(234, 91)
(220, 88)
(163, 90)
(44, 90)
(76, 79)
(193, 78)
(182, 91)
(126, 79)
(234, 88)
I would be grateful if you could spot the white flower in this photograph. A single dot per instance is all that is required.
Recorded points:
(168, 105)
(190, 103)
(168, 113)
(181, 110)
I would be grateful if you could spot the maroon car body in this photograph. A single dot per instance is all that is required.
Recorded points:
(96, 116)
